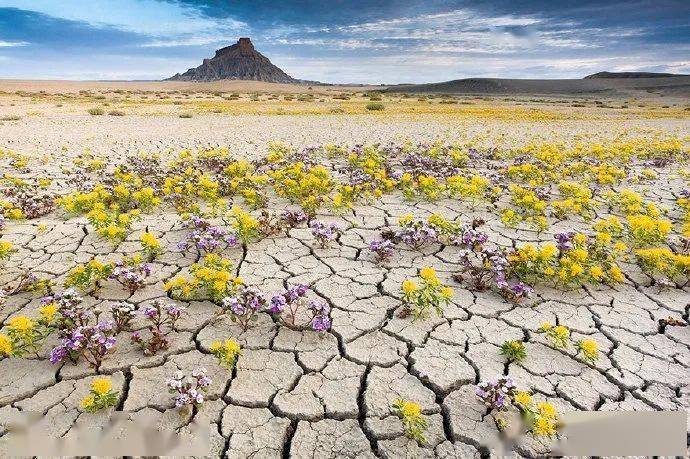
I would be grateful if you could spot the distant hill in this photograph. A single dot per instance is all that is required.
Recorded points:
(632, 75)
(678, 86)
(237, 62)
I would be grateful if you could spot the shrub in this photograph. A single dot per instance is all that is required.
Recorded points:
(96, 111)
(375, 106)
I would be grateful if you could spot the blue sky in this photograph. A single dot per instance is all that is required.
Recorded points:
(359, 41)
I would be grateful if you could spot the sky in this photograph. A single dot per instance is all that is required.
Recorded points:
(345, 41)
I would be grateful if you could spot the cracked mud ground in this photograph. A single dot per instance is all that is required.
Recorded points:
(299, 393)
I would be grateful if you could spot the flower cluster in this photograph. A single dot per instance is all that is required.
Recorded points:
(577, 260)
(101, 396)
(419, 300)
(502, 397)
(206, 238)
(112, 224)
(80, 331)
(88, 277)
(559, 336)
(244, 225)
(189, 390)
(91, 342)
(6, 249)
(413, 421)
(162, 318)
(484, 267)
(123, 314)
(648, 231)
(320, 321)
(673, 267)
(383, 248)
(244, 306)
(292, 218)
(303, 184)
(415, 233)
(131, 273)
(227, 352)
(496, 394)
(27, 200)
(474, 188)
(151, 245)
(212, 277)
(529, 206)
(325, 233)
(25, 335)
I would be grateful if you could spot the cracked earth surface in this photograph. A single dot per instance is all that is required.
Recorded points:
(299, 393)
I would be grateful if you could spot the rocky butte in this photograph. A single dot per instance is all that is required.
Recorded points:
(237, 62)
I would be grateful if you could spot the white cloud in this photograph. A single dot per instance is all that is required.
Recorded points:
(459, 31)
(12, 44)
(332, 43)
(190, 41)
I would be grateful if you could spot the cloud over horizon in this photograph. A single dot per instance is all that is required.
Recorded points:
(357, 41)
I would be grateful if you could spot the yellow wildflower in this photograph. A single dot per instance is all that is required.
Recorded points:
(428, 274)
(87, 402)
(409, 286)
(215, 346)
(5, 345)
(446, 292)
(22, 325)
(544, 427)
(48, 312)
(616, 274)
(410, 409)
(547, 410)
(523, 399)
(149, 240)
(589, 348)
(101, 386)
(596, 272)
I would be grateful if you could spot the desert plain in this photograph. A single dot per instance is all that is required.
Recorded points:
(604, 179)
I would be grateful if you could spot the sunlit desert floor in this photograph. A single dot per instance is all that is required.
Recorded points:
(586, 201)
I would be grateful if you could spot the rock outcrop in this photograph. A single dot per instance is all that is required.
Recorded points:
(237, 62)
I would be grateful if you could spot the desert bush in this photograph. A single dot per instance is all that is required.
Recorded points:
(375, 106)
(96, 111)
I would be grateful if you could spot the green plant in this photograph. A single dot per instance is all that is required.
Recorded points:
(96, 111)
(101, 395)
(559, 335)
(414, 423)
(431, 294)
(87, 277)
(514, 351)
(227, 352)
